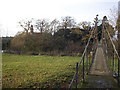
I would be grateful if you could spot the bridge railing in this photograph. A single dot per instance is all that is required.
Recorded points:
(83, 67)
(112, 56)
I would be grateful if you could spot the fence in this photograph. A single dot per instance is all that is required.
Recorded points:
(83, 67)
(112, 55)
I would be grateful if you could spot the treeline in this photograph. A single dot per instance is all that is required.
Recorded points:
(52, 38)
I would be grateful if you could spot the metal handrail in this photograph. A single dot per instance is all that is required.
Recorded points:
(113, 44)
(85, 49)
(81, 60)
(115, 51)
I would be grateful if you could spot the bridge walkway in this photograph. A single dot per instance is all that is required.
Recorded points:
(100, 75)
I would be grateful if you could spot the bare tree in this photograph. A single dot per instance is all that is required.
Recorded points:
(113, 16)
(42, 25)
(25, 25)
(85, 25)
(68, 22)
(54, 25)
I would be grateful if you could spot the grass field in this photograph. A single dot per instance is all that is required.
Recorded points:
(37, 71)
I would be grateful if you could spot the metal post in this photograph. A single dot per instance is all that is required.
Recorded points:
(118, 73)
(92, 56)
(87, 62)
(102, 31)
(107, 51)
(114, 65)
(96, 29)
(76, 74)
(83, 68)
(113, 61)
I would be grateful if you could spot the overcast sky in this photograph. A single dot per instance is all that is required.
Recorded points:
(13, 11)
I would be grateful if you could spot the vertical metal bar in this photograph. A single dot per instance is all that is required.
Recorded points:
(83, 68)
(87, 61)
(107, 53)
(118, 73)
(114, 64)
(113, 61)
(92, 56)
(76, 74)
(85, 65)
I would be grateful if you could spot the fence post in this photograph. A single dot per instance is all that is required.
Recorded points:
(76, 74)
(83, 68)
(118, 72)
(87, 61)
(92, 56)
(113, 61)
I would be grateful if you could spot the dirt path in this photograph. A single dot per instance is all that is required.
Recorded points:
(100, 76)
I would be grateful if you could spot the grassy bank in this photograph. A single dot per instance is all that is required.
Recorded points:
(37, 71)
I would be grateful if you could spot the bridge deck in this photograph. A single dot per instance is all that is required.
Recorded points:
(100, 76)
(99, 66)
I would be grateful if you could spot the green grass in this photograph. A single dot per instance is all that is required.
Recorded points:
(112, 65)
(37, 71)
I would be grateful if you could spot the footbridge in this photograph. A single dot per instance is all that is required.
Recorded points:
(99, 66)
